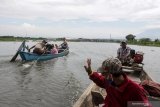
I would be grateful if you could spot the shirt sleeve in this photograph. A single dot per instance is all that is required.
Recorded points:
(99, 80)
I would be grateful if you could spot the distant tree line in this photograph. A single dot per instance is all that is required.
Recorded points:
(131, 39)
(18, 38)
(143, 41)
(12, 38)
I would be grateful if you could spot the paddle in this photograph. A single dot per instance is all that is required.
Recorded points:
(19, 49)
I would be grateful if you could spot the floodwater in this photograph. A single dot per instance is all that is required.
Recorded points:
(58, 82)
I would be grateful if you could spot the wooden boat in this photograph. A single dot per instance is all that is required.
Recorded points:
(27, 56)
(94, 94)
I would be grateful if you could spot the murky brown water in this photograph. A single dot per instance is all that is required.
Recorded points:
(58, 82)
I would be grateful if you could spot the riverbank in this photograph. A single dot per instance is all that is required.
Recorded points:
(135, 42)
(12, 38)
(151, 43)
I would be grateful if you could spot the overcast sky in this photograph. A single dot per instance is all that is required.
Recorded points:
(78, 18)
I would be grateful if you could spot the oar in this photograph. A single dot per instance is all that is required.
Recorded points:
(19, 49)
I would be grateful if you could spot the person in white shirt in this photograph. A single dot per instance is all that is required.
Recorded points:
(123, 53)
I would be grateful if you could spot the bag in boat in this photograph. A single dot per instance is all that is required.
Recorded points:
(151, 87)
(138, 57)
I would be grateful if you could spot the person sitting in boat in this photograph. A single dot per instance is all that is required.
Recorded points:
(39, 48)
(121, 90)
(123, 53)
(49, 47)
(54, 49)
(64, 45)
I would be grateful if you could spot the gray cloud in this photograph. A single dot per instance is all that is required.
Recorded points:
(100, 10)
(93, 10)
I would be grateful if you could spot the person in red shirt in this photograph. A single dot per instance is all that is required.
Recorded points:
(121, 91)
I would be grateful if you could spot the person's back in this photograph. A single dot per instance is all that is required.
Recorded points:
(39, 48)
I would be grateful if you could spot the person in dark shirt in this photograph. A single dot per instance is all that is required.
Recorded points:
(64, 45)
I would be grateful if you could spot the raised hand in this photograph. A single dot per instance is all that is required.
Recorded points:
(88, 67)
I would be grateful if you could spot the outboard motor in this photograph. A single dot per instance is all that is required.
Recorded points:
(138, 57)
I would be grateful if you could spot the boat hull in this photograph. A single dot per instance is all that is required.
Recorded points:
(27, 56)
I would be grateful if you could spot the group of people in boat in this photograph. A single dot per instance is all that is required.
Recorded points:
(45, 48)
(121, 91)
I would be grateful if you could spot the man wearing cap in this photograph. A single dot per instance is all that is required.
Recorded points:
(123, 53)
(39, 48)
(120, 90)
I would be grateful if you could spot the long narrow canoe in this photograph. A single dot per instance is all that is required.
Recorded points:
(27, 56)
(94, 93)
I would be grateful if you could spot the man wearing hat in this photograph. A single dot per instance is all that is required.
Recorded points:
(39, 48)
(120, 90)
(123, 53)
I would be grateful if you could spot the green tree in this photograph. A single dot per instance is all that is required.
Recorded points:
(145, 40)
(130, 37)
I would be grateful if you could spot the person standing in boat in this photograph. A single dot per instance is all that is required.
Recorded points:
(123, 53)
(39, 48)
(121, 91)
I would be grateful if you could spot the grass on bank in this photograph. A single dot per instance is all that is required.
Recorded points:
(143, 42)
